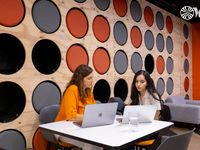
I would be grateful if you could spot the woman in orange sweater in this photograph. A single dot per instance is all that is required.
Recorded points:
(77, 95)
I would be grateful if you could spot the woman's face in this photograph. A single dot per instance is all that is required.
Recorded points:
(88, 81)
(141, 83)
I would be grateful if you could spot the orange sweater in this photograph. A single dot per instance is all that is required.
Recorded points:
(71, 104)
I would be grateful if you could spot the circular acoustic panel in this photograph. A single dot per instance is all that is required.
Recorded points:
(46, 56)
(120, 33)
(169, 24)
(185, 31)
(12, 102)
(136, 37)
(170, 85)
(46, 93)
(149, 63)
(186, 66)
(118, 92)
(120, 7)
(169, 45)
(12, 54)
(101, 60)
(75, 56)
(148, 16)
(46, 16)
(120, 62)
(136, 11)
(186, 84)
(169, 65)
(102, 5)
(186, 48)
(101, 91)
(160, 64)
(159, 20)
(136, 62)
(12, 139)
(149, 39)
(101, 28)
(187, 96)
(80, 1)
(11, 12)
(160, 42)
(77, 22)
(39, 142)
(160, 86)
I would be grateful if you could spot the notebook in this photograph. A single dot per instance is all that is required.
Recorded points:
(98, 115)
(146, 113)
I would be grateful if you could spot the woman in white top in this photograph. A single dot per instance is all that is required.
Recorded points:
(143, 91)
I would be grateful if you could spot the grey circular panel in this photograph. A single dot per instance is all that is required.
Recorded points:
(149, 63)
(160, 42)
(159, 20)
(160, 86)
(186, 66)
(149, 39)
(169, 45)
(170, 86)
(185, 31)
(12, 139)
(46, 16)
(136, 11)
(102, 5)
(170, 65)
(120, 62)
(136, 62)
(46, 93)
(120, 33)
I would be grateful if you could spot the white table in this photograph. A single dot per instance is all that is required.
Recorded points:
(115, 136)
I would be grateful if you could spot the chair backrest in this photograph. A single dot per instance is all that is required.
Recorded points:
(176, 99)
(48, 113)
(176, 142)
(120, 102)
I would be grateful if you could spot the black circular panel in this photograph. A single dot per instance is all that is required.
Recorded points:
(102, 91)
(12, 101)
(149, 63)
(46, 56)
(118, 92)
(12, 54)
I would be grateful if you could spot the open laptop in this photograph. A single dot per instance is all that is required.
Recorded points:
(146, 113)
(98, 115)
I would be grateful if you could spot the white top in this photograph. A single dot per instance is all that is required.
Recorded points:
(109, 136)
(149, 100)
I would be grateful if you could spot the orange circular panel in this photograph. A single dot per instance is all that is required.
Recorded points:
(11, 12)
(186, 48)
(186, 84)
(77, 22)
(120, 7)
(169, 24)
(160, 64)
(148, 16)
(101, 28)
(76, 55)
(101, 60)
(136, 36)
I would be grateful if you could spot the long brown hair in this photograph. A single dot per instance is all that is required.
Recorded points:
(79, 74)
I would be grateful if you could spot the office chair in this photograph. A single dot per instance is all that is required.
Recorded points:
(121, 104)
(11, 139)
(176, 142)
(46, 115)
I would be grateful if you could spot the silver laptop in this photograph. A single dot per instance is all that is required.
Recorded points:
(98, 115)
(146, 113)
